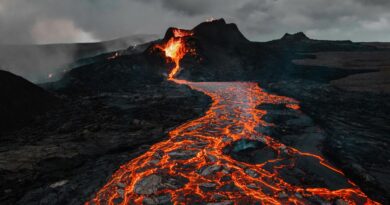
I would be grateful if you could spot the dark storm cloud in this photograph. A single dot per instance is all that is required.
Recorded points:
(375, 2)
(46, 21)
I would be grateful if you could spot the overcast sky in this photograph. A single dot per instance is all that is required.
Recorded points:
(51, 21)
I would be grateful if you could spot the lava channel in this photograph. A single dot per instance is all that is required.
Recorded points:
(191, 167)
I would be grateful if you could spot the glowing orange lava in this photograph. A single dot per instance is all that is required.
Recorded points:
(175, 49)
(180, 33)
(191, 166)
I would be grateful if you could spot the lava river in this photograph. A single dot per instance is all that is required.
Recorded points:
(193, 167)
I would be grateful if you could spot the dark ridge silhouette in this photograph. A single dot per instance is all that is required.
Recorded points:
(20, 101)
(300, 36)
(219, 32)
(222, 53)
(215, 32)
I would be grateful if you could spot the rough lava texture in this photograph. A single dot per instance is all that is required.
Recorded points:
(64, 156)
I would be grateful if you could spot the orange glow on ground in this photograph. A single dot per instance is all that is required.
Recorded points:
(232, 116)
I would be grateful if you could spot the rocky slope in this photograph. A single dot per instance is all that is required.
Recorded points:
(64, 156)
(20, 101)
(355, 126)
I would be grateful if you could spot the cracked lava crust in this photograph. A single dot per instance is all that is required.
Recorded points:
(191, 167)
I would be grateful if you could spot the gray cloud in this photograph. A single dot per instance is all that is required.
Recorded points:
(47, 21)
(190, 7)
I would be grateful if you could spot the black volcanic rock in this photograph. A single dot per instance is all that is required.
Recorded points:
(20, 100)
(214, 32)
(119, 74)
(219, 32)
(220, 49)
(66, 155)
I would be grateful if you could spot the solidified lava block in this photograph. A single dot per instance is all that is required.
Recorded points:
(250, 151)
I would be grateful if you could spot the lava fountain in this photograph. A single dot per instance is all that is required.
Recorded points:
(191, 167)
(175, 49)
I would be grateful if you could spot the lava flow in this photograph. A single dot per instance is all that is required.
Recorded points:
(192, 166)
(175, 49)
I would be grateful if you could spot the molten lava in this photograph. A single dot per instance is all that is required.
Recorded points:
(192, 168)
(175, 49)
(180, 33)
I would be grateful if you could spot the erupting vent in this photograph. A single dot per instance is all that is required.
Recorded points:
(175, 49)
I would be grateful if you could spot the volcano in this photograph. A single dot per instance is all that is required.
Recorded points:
(214, 42)
(206, 116)
(198, 145)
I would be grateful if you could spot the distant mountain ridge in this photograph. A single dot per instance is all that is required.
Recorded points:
(42, 63)
(295, 37)
(222, 54)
